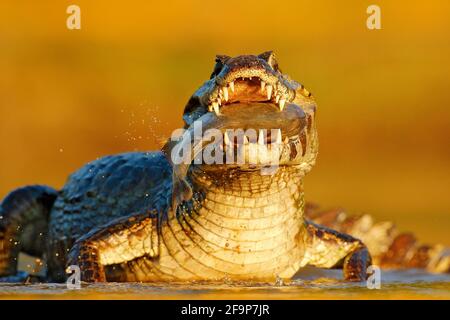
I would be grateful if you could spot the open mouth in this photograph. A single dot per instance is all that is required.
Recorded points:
(248, 88)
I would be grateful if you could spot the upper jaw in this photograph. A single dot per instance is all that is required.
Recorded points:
(273, 87)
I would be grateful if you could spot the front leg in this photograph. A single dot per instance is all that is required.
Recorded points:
(119, 241)
(328, 248)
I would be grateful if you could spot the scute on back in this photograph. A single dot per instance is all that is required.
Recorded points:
(108, 188)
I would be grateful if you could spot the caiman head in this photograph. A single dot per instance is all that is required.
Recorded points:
(265, 120)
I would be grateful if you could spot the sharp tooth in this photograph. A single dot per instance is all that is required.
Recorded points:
(225, 93)
(269, 91)
(241, 155)
(219, 101)
(226, 139)
(263, 85)
(278, 139)
(274, 156)
(282, 102)
(277, 98)
(261, 137)
(231, 84)
(253, 154)
(262, 154)
(215, 106)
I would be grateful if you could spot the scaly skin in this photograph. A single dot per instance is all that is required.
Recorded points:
(390, 248)
(141, 217)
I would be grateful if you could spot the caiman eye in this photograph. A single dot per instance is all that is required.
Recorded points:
(217, 68)
(220, 62)
(269, 57)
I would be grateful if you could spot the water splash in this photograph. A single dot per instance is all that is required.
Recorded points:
(144, 124)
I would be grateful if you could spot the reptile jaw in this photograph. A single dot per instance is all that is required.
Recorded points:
(249, 89)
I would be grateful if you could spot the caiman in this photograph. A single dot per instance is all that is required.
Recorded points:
(144, 217)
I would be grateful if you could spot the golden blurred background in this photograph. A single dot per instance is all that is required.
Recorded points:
(120, 84)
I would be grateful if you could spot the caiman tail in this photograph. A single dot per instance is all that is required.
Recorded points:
(24, 215)
(390, 248)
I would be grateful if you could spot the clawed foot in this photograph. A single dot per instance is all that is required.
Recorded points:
(356, 264)
(85, 256)
(329, 248)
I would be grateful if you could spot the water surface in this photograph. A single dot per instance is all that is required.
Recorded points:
(309, 284)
